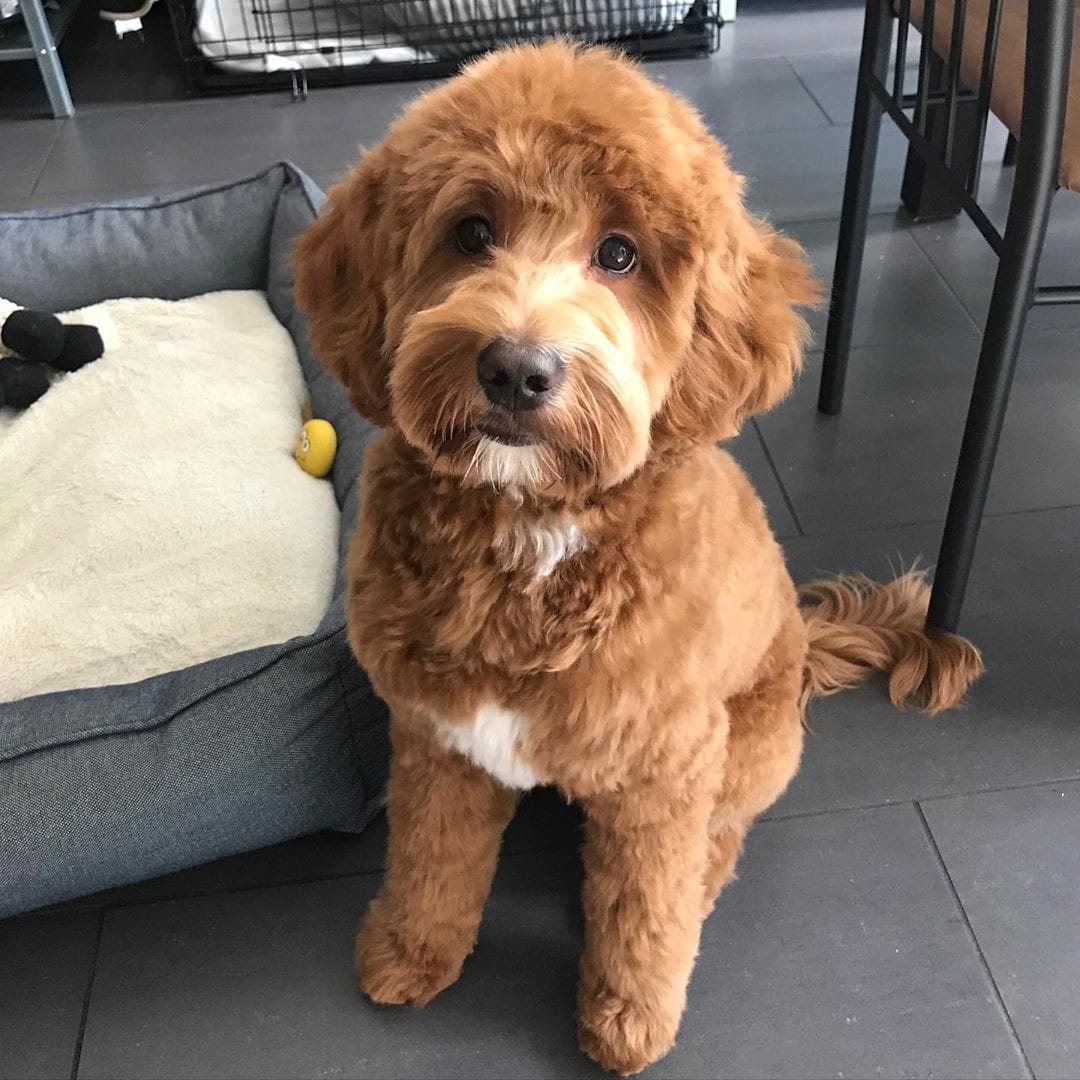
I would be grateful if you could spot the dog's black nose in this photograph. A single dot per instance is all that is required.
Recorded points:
(518, 376)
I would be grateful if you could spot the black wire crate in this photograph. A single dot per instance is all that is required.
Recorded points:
(245, 44)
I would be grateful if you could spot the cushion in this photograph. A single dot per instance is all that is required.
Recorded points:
(1007, 87)
(179, 526)
(108, 785)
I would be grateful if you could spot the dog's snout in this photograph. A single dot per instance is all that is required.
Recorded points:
(518, 376)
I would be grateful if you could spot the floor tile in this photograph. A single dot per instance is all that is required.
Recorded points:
(901, 297)
(45, 966)
(67, 200)
(260, 984)
(800, 177)
(1015, 862)
(965, 260)
(307, 858)
(20, 204)
(736, 95)
(141, 149)
(831, 78)
(783, 28)
(27, 144)
(1022, 723)
(326, 178)
(826, 958)
(839, 952)
(748, 451)
(889, 457)
(543, 821)
(101, 68)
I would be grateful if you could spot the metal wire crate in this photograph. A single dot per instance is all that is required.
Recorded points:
(241, 44)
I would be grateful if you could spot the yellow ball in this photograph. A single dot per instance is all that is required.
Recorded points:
(316, 446)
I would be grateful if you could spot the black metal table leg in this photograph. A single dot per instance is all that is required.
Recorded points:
(1046, 75)
(865, 129)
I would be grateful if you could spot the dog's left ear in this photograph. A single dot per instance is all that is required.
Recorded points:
(341, 267)
(748, 335)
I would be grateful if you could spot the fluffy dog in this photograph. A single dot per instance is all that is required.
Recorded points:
(544, 285)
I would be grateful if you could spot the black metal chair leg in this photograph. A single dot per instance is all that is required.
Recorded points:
(862, 154)
(923, 194)
(1046, 77)
(1008, 159)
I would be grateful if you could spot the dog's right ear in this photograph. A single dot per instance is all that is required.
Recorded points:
(340, 286)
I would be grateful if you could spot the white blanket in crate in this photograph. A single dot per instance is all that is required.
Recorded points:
(287, 35)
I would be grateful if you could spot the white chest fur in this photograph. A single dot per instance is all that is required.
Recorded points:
(492, 742)
(542, 543)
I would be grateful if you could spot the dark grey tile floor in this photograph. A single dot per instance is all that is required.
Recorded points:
(911, 908)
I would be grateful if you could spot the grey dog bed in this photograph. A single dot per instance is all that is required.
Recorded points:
(105, 786)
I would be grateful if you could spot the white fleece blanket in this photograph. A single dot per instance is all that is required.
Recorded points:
(151, 513)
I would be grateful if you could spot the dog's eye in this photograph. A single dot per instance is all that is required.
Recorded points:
(615, 254)
(473, 235)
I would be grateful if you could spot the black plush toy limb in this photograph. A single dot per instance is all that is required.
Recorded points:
(81, 345)
(22, 382)
(37, 335)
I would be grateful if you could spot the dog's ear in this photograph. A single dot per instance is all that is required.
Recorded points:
(340, 275)
(748, 336)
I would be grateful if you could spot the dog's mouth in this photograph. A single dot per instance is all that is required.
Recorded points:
(506, 431)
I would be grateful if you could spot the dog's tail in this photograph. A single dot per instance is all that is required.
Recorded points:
(857, 626)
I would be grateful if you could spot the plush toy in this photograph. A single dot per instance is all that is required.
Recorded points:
(21, 382)
(38, 338)
(316, 446)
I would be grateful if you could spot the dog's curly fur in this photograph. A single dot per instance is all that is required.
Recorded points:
(608, 600)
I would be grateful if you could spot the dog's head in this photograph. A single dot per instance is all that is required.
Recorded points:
(545, 273)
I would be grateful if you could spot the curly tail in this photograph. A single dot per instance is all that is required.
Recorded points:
(857, 626)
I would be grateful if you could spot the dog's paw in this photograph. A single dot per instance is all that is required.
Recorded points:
(394, 970)
(622, 1035)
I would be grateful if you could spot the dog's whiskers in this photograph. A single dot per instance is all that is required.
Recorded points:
(474, 460)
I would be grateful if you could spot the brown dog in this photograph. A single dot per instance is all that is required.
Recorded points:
(545, 286)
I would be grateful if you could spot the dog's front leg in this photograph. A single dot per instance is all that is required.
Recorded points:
(446, 821)
(645, 856)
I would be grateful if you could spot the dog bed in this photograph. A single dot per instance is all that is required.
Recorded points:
(179, 526)
(109, 784)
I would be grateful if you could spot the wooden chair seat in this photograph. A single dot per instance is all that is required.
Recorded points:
(1007, 88)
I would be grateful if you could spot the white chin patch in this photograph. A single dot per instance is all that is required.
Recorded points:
(504, 466)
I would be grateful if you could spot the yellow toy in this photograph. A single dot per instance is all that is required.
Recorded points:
(316, 446)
